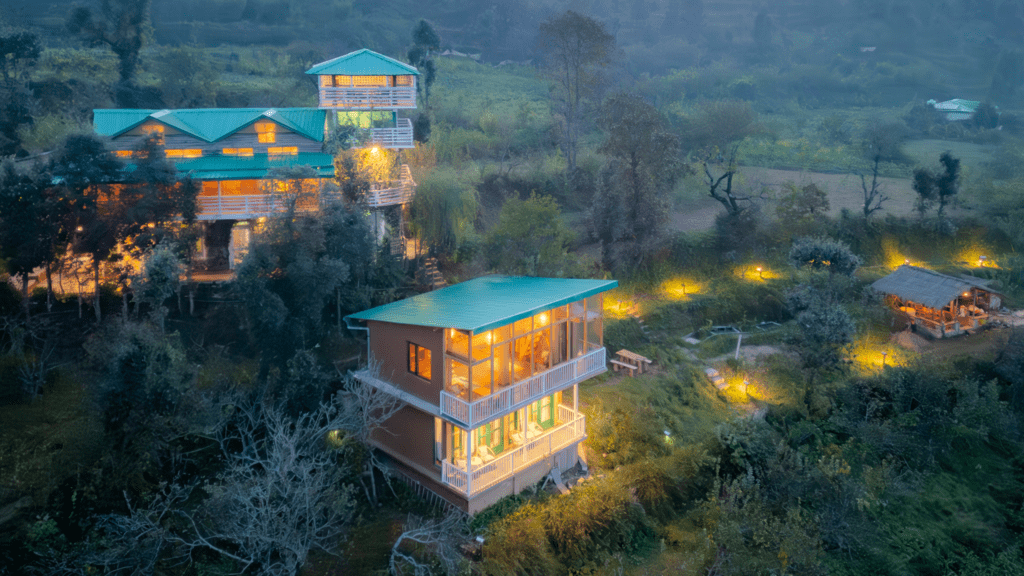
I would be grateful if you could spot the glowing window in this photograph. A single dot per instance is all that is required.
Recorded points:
(266, 132)
(237, 151)
(187, 153)
(153, 129)
(419, 361)
(326, 81)
(283, 150)
(369, 81)
(123, 153)
(403, 80)
(343, 81)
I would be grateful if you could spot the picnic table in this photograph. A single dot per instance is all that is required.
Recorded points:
(630, 361)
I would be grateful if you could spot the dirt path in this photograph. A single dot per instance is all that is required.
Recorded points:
(844, 191)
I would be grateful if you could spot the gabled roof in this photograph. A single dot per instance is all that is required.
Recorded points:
(252, 167)
(957, 105)
(924, 286)
(485, 303)
(212, 124)
(364, 62)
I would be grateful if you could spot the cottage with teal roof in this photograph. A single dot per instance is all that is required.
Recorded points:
(489, 372)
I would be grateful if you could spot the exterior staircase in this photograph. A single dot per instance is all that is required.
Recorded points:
(431, 275)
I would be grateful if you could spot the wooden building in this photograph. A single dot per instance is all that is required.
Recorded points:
(489, 373)
(232, 151)
(937, 304)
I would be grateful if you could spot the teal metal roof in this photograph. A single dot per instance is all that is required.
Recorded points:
(485, 303)
(256, 166)
(212, 124)
(364, 63)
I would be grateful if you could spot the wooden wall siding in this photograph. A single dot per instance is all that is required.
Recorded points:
(390, 348)
(236, 140)
(409, 434)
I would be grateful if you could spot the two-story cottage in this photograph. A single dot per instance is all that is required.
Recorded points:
(489, 372)
(232, 151)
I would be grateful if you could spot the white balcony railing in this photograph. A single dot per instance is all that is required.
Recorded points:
(522, 393)
(400, 194)
(368, 97)
(244, 206)
(481, 477)
(398, 137)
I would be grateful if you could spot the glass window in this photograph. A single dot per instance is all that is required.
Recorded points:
(188, 153)
(522, 360)
(326, 81)
(541, 350)
(523, 326)
(457, 342)
(237, 151)
(458, 378)
(283, 150)
(369, 81)
(503, 364)
(419, 361)
(343, 81)
(541, 320)
(560, 313)
(559, 343)
(503, 333)
(482, 380)
(403, 80)
(482, 345)
(266, 132)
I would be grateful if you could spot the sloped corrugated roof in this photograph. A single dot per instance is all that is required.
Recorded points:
(924, 286)
(485, 303)
(249, 167)
(958, 105)
(212, 124)
(364, 62)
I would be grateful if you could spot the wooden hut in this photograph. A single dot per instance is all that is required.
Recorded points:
(938, 304)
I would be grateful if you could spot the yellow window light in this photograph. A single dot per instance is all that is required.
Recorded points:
(185, 153)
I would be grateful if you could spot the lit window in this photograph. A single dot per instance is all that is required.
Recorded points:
(266, 132)
(343, 81)
(403, 80)
(326, 81)
(419, 361)
(283, 150)
(187, 153)
(237, 151)
(153, 129)
(369, 81)
(123, 153)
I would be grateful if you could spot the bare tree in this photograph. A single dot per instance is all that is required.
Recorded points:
(427, 543)
(575, 49)
(873, 196)
(720, 185)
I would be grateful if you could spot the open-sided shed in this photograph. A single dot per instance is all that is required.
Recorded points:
(938, 304)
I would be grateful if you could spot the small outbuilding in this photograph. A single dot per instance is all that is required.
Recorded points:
(937, 304)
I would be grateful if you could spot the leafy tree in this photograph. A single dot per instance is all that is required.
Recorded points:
(425, 41)
(575, 49)
(443, 211)
(644, 166)
(187, 79)
(824, 254)
(297, 266)
(31, 218)
(83, 166)
(802, 204)
(18, 55)
(530, 239)
(120, 25)
(160, 279)
(938, 187)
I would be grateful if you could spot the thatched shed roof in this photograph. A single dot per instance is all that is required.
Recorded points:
(924, 286)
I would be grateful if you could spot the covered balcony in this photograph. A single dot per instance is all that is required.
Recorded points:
(509, 445)
(525, 392)
(368, 97)
(492, 372)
